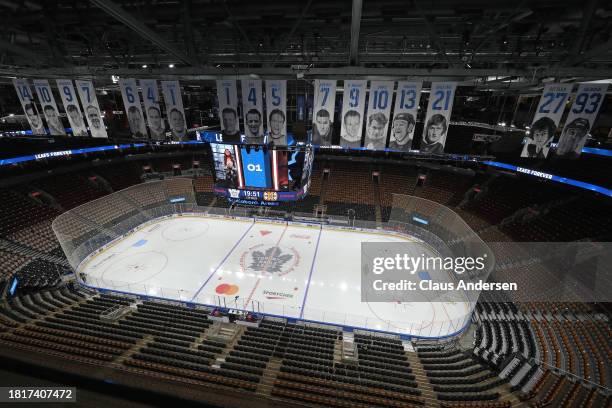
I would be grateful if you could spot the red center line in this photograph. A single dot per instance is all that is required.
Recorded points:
(267, 264)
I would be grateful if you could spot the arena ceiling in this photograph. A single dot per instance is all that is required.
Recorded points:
(492, 44)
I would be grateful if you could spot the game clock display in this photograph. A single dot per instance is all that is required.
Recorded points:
(261, 174)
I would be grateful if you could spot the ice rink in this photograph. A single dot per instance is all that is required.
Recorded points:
(291, 270)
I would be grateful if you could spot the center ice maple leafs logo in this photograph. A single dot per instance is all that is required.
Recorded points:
(271, 260)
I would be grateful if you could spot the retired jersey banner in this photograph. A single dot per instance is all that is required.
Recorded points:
(72, 107)
(24, 93)
(580, 119)
(405, 112)
(547, 117)
(150, 95)
(227, 96)
(174, 109)
(133, 108)
(276, 106)
(87, 93)
(323, 111)
(379, 110)
(353, 108)
(439, 110)
(49, 107)
(252, 107)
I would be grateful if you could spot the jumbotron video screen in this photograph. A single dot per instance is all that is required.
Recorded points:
(258, 174)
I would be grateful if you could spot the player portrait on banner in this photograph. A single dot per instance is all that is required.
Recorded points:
(156, 123)
(71, 105)
(276, 104)
(405, 112)
(376, 136)
(437, 121)
(177, 124)
(87, 93)
(277, 124)
(53, 120)
(136, 122)
(573, 138)
(323, 109)
(351, 137)
(76, 120)
(322, 129)
(95, 119)
(29, 107)
(353, 108)
(150, 96)
(252, 108)
(231, 128)
(402, 130)
(133, 108)
(253, 128)
(174, 108)
(379, 110)
(434, 136)
(547, 117)
(34, 118)
(227, 96)
(581, 117)
(541, 136)
(49, 107)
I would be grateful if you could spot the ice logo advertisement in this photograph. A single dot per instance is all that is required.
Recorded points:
(270, 260)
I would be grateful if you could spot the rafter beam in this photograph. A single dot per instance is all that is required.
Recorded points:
(433, 35)
(587, 16)
(115, 11)
(593, 52)
(24, 52)
(470, 76)
(293, 29)
(244, 35)
(355, 27)
(188, 29)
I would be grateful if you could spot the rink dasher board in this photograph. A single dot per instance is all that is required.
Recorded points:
(259, 220)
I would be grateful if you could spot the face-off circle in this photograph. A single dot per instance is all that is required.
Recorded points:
(136, 268)
(185, 231)
(270, 259)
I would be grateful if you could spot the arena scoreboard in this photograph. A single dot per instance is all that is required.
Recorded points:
(259, 174)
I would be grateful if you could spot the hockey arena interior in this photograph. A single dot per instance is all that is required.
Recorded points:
(349, 203)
